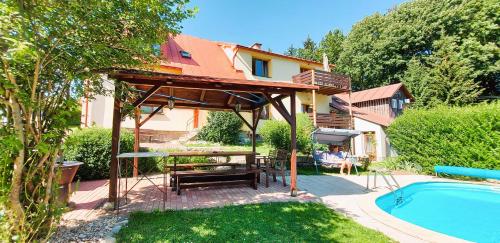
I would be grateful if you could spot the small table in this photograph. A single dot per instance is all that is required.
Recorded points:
(143, 175)
(249, 157)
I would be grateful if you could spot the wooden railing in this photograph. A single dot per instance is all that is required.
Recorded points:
(331, 120)
(329, 83)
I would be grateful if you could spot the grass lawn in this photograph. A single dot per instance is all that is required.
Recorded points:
(273, 222)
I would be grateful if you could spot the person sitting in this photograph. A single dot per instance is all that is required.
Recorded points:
(335, 155)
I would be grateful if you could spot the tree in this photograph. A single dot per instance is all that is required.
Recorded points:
(291, 51)
(222, 127)
(309, 50)
(379, 49)
(331, 45)
(48, 50)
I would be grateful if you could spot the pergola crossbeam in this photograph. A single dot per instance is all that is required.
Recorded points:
(151, 115)
(146, 95)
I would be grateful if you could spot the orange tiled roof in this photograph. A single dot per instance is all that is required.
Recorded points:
(343, 105)
(376, 93)
(207, 57)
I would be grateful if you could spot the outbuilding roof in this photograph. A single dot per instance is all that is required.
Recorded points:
(376, 93)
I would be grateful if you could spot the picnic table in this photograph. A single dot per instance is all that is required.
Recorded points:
(196, 178)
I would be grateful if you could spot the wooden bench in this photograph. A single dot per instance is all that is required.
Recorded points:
(202, 178)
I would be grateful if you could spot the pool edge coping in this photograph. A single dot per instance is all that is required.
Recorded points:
(370, 208)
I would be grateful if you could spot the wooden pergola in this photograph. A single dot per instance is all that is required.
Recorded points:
(160, 90)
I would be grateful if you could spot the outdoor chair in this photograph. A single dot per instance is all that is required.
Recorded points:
(273, 163)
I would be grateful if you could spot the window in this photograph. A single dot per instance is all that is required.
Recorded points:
(264, 115)
(307, 108)
(260, 67)
(185, 54)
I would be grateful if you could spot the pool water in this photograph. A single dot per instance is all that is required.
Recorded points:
(467, 211)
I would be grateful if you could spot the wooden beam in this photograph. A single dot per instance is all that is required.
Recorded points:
(201, 106)
(211, 86)
(151, 115)
(137, 116)
(254, 132)
(115, 144)
(146, 95)
(256, 116)
(293, 140)
(279, 107)
(230, 99)
(243, 119)
(202, 95)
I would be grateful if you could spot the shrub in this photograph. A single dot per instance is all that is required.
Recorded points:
(456, 136)
(277, 133)
(92, 146)
(222, 127)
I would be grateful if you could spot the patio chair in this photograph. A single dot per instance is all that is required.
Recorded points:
(273, 163)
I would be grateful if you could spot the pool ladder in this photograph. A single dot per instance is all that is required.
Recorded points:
(394, 186)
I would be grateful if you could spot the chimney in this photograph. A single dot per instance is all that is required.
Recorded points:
(256, 46)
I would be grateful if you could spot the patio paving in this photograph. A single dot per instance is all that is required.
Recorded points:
(345, 194)
(91, 195)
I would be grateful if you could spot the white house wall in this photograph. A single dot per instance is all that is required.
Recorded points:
(382, 148)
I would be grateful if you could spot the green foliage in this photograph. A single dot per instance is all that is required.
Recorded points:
(92, 146)
(456, 41)
(467, 136)
(268, 222)
(453, 44)
(331, 45)
(48, 49)
(222, 127)
(277, 133)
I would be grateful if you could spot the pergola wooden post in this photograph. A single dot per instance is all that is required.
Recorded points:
(199, 92)
(293, 146)
(115, 143)
(137, 116)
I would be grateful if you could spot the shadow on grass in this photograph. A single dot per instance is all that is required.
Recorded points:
(270, 222)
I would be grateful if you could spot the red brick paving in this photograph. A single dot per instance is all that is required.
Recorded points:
(91, 195)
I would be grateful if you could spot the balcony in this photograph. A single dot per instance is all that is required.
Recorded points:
(331, 120)
(329, 83)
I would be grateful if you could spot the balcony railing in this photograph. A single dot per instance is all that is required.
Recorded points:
(331, 120)
(329, 83)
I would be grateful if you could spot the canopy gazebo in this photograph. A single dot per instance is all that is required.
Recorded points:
(210, 93)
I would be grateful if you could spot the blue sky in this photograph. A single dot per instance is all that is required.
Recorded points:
(277, 23)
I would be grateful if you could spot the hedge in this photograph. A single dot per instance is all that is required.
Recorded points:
(277, 133)
(456, 136)
(92, 146)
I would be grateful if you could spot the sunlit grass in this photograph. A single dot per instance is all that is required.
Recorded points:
(273, 222)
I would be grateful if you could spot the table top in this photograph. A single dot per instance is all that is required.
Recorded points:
(203, 165)
(142, 155)
(210, 153)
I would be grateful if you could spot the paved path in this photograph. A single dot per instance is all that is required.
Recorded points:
(348, 195)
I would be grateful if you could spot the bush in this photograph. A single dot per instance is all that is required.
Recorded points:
(456, 136)
(222, 127)
(277, 134)
(92, 146)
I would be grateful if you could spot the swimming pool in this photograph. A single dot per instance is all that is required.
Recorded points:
(466, 211)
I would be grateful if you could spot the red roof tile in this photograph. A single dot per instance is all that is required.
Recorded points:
(376, 93)
(207, 57)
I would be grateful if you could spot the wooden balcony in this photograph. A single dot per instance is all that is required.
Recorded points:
(331, 120)
(329, 83)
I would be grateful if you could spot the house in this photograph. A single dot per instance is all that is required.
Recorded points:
(373, 110)
(188, 55)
